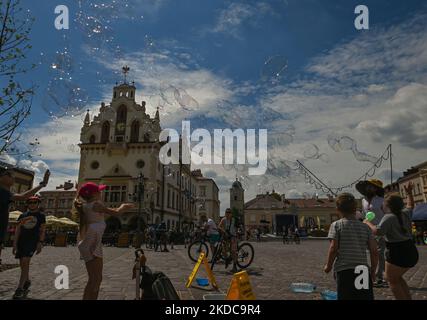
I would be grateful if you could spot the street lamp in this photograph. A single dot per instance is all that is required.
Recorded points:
(140, 193)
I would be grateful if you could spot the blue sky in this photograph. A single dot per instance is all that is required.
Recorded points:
(368, 85)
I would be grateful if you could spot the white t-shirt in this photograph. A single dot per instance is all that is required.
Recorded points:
(376, 207)
(211, 226)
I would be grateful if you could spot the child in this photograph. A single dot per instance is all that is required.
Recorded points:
(28, 240)
(401, 252)
(350, 239)
(6, 197)
(91, 212)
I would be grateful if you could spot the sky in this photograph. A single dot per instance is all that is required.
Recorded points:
(331, 96)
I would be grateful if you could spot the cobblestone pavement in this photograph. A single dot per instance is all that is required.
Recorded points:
(275, 267)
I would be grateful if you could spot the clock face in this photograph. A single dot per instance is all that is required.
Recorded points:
(121, 126)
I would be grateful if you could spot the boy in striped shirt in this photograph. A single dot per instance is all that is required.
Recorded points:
(347, 252)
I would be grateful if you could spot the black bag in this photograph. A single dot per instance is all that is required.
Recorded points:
(163, 288)
(146, 283)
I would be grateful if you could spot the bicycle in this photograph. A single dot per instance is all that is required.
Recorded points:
(197, 247)
(245, 253)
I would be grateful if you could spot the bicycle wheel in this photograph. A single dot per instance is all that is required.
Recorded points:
(196, 248)
(245, 255)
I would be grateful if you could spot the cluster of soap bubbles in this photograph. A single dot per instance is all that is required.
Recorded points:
(346, 143)
(312, 152)
(173, 96)
(73, 148)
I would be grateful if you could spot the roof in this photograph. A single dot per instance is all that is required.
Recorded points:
(22, 170)
(237, 184)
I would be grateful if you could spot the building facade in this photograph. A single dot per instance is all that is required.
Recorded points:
(120, 148)
(24, 180)
(271, 213)
(59, 203)
(207, 200)
(418, 176)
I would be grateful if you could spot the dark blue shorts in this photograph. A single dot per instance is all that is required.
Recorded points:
(25, 251)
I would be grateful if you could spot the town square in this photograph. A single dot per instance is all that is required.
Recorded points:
(243, 155)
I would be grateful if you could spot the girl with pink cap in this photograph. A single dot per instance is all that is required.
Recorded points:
(91, 211)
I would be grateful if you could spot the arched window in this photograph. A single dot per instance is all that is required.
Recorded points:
(147, 137)
(121, 121)
(134, 132)
(121, 114)
(105, 133)
(92, 139)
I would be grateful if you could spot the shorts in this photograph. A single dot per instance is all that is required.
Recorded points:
(91, 246)
(403, 254)
(25, 251)
(346, 288)
(214, 238)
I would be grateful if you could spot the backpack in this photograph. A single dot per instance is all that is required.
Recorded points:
(162, 287)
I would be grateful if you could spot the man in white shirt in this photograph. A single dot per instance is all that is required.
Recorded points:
(373, 193)
(211, 231)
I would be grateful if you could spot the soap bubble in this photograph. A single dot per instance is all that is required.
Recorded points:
(64, 98)
(273, 68)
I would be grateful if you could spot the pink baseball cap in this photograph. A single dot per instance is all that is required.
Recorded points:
(89, 188)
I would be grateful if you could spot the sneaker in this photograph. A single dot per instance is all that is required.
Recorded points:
(27, 285)
(19, 294)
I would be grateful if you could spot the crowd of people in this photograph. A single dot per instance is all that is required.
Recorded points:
(387, 235)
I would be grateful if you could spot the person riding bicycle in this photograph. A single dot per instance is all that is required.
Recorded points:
(211, 231)
(229, 230)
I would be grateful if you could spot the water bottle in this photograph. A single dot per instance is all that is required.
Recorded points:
(302, 287)
(329, 295)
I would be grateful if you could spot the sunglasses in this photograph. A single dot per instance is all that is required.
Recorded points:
(32, 202)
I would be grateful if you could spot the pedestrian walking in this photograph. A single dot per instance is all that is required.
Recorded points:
(91, 211)
(401, 253)
(350, 239)
(28, 240)
(373, 200)
(7, 180)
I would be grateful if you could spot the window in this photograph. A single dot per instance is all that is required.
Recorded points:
(92, 139)
(50, 203)
(140, 164)
(134, 132)
(202, 191)
(94, 165)
(169, 198)
(61, 203)
(253, 218)
(105, 132)
(173, 200)
(235, 198)
(121, 121)
(418, 187)
(115, 194)
(158, 197)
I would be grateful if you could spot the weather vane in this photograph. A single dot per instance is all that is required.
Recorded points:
(125, 71)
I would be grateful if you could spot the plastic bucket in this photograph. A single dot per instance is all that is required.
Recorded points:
(203, 282)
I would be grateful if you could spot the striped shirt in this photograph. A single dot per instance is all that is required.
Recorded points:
(353, 237)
